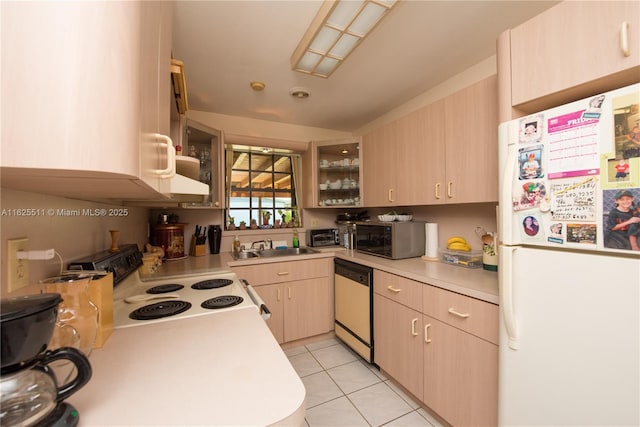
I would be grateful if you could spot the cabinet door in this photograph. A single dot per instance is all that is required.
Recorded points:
(471, 137)
(460, 375)
(398, 343)
(307, 310)
(71, 73)
(420, 141)
(378, 167)
(155, 87)
(571, 44)
(273, 297)
(335, 169)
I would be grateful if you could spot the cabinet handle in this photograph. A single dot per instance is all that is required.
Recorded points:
(289, 291)
(456, 313)
(392, 289)
(413, 327)
(170, 170)
(426, 333)
(449, 185)
(624, 39)
(278, 294)
(390, 195)
(283, 273)
(438, 191)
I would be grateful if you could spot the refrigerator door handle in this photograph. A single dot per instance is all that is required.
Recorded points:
(506, 183)
(506, 295)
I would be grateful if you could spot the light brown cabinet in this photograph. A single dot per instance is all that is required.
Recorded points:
(439, 345)
(85, 110)
(571, 51)
(299, 295)
(334, 178)
(437, 154)
(460, 357)
(397, 306)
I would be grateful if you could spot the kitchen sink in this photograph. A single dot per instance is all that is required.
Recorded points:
(268, 253)
(245, 255)
(271, 253)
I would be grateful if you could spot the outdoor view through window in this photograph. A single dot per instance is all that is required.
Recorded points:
(260, 189)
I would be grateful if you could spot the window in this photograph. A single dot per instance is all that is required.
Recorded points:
(260, 187)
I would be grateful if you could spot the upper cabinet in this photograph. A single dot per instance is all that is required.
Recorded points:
(70, 82)
(335, 176)
(570, 51)
(471, 144)
(203, 146)
(445, 152)
(86, 99)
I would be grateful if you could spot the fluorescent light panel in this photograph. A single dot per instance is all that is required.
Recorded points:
(337, 29)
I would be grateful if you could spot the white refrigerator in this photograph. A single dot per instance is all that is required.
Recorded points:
(569, 229)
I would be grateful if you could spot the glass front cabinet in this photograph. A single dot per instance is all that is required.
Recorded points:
(335, 179)
(203, 147)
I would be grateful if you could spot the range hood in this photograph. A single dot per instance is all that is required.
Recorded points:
(183, 189)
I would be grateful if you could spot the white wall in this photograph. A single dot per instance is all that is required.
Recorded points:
(72, 237)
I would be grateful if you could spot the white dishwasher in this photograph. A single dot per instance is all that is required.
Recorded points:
(354, 306)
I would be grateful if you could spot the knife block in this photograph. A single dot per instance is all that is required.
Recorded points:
(196, 249)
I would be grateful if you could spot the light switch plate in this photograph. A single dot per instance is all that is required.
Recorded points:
(17, 269)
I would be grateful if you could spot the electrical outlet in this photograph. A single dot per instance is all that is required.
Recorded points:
(315, 222)
(17, 269)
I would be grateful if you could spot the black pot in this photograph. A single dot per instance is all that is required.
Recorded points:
(26, 326)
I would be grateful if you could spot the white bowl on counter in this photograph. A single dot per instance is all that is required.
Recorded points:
(404, 218)
(387, 218)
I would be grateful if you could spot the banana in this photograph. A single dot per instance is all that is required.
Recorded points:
(456, 239)
(457, 246)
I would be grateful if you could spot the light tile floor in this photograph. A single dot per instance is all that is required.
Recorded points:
(344, 390)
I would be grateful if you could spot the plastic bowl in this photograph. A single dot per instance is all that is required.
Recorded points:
(404, 218)
(387, 218)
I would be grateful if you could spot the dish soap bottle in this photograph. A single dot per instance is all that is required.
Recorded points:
(236, 245)
(296, 241)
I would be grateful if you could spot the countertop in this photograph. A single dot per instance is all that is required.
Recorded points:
(473, 282)
(222, 369)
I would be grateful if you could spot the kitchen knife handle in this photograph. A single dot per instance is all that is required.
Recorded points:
(624, 39)
(392, 289)
(413, 327)
(426, 333)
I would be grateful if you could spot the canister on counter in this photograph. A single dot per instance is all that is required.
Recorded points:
(170, 237)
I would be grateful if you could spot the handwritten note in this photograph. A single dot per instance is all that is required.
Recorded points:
(574, 201)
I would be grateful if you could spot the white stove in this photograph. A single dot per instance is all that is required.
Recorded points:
(140, 303)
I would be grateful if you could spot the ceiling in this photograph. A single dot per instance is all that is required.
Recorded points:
(227, 44)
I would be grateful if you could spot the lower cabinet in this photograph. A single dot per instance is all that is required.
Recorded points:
(398, 340)
(299, 295)
(444, 352)
(460, 375)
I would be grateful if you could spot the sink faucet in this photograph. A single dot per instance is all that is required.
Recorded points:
(264, 244)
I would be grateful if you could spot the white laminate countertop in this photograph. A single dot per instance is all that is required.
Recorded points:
(220, 369)
(473, 282)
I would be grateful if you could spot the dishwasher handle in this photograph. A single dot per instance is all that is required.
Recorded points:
(265, 313)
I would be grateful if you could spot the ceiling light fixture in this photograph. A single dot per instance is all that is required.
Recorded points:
(299, 92)
(338, 27)
(257, 86)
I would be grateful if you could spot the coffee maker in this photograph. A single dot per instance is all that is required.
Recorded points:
(29, 391)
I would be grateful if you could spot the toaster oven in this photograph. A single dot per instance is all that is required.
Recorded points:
(323, 237)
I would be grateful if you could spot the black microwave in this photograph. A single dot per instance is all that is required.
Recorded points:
(394, 240)
(323, 237)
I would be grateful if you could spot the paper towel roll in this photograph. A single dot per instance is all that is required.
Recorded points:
(431, 240)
